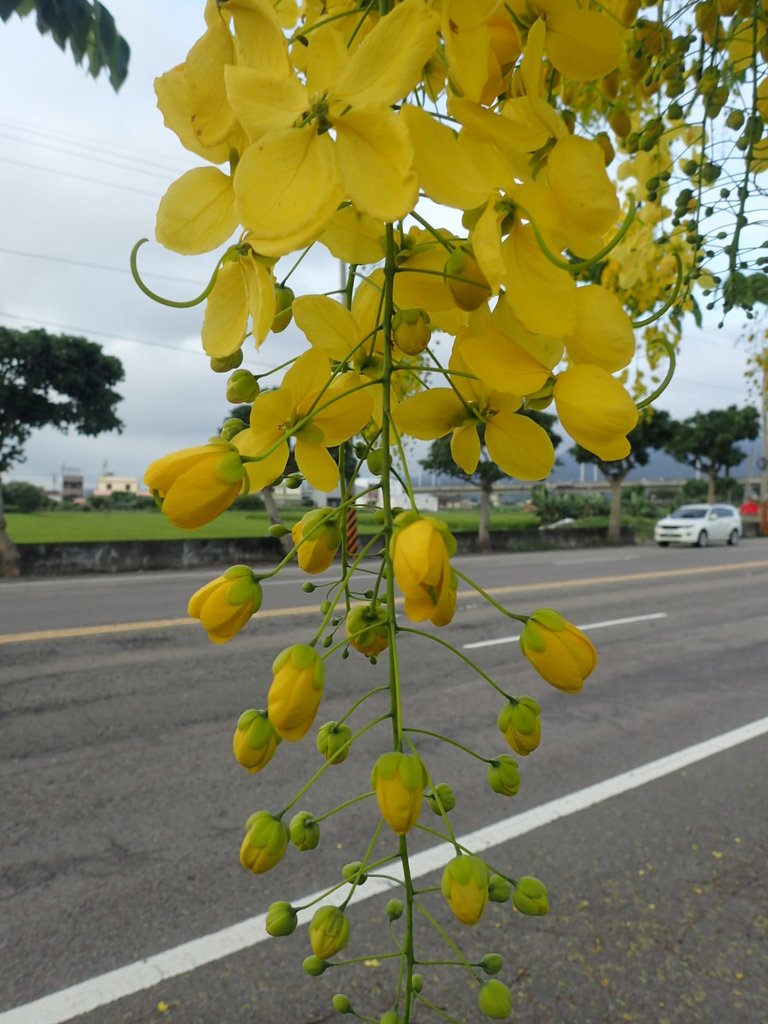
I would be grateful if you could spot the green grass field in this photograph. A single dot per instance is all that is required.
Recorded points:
(58, 527)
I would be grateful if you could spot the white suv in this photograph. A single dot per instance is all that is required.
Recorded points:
(699, 525)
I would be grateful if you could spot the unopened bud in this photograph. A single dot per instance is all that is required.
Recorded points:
(314, 966)
(411, 330)
(223, 364)
(530, 896)
(499, 889)
(394, 909)
(353, 872)
(277, 530)
(242, 386)
(495, 1000)
(231, 428)
(284, 297)
(341, 1003)
(492, 963)
(305, 831)
(281, 919)
(446, 798)
(503, 776)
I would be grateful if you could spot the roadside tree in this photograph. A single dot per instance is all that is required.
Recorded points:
(708, 441)
(49, 380)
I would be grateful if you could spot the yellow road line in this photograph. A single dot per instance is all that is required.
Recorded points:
(275, 613)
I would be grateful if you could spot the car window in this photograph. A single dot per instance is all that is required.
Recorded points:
(722, 511)
(688, 512)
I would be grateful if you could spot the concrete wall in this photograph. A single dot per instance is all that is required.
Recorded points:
(152, 555)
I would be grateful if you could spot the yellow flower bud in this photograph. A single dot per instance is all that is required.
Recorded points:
(411, 330)
(520, 725)
(495, 1000)
(530, 896)
(328, 932)
(296, 690)
(333, 741)
(367, 629)
(473, 289)
(255, 741)
(317, 536)
(503, 776)
(266, 840)
(399, 781)
(196, 484)
(558, 651)
(284, 297)
(465, 887)
(421, 549)
(224, 605)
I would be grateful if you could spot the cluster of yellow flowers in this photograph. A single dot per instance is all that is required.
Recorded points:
(343, 123)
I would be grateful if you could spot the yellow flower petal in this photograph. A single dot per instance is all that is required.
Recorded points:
(287, 189)
(389, 62)
(502, 364)
(264, 103)
(347, 413)
(354, 237)
(430, 414)
(603, 334)
(212, 116)
(307, 375)
(585, 193)
(260, 293)
(197, 212)
(414, 290)
(316, 465)
(269, 469)
(375, 161)
(467, 44)
(595, 410)
(327, 325)
(583, 45)
(175, 104)
(445, 170)
(226, 313)
(545, 350)
(260, 40)
(519, 446)
(540, 294)
(465, 447)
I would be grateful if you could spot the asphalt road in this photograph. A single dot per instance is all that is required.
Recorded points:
(122, 807)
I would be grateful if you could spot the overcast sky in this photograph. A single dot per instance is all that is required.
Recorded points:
(81, 172)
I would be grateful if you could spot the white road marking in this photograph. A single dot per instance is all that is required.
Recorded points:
(586, 625)
(79, 999)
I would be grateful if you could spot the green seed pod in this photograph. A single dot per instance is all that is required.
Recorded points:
(304, 830)
(492, 963)
(281, 919)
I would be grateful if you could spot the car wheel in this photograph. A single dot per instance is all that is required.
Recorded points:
(702, 540)
(734, 538)
(663, 543)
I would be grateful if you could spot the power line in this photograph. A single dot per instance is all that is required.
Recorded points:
(94, 266)
(79, 177)
(90, 157)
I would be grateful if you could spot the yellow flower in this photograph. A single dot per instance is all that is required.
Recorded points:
(305, 406)
(603, 335)
(255, 741)
(520, 725)
(266, 840)
(595, 410)
(294, 174)
(196, 484)
(225, 604)
(465, 887)
(296, 690)
(244, 288)
(421, 548)
(399, 781)
(317, 536)
(328, 932)
(558, 651)
(582, 44)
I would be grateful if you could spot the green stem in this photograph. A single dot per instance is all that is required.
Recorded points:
(365, 860)
(446, 938)
(438, 801)
(636, 324)
(669, 349)
(329, 764)
(170, 302)
(362, 959)
(356, 705)
(490, 600)
(447, 739)
(343, 807)
(454, 650)
(433, 231)
(574, 266)
(438, 1009)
